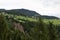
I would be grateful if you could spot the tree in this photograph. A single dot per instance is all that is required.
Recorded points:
(52, 32)
(3, 26)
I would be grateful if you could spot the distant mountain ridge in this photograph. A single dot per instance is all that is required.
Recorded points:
(26, 12)
(49, 17)
(23, 12)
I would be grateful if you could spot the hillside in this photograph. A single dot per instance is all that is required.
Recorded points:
(25, 12)
(49, 17)
(19, 27)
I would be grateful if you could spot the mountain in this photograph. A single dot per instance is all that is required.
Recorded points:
(49, 17)
(26, 12)
(2, 10)
(23, 12)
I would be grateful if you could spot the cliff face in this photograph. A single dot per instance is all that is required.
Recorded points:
(18, 26)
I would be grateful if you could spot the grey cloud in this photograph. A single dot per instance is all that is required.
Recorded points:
(50, 2)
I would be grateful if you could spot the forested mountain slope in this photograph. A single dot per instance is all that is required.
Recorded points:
(11, 28)
(26, 12)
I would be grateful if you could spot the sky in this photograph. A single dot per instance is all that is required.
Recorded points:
(43, 7)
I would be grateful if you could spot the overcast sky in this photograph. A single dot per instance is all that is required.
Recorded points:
(44, 7)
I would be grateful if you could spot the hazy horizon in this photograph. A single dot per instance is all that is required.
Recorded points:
(43, 7)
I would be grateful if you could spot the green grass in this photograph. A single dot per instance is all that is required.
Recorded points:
(54, 21)
(25, 18)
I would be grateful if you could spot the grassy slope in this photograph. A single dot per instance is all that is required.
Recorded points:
(22, 18)
(55, 21)
(25, 18)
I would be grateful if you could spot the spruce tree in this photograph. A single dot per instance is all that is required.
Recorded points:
(52, 32)
(3, 27)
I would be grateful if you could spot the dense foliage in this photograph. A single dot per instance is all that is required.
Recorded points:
(32, 30)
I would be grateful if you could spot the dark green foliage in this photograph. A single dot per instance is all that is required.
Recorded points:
(3, 26)
(58, 28)
(32, 30)
(52, 32)
(49, 17)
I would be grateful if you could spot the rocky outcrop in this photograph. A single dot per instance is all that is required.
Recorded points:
(18, 26)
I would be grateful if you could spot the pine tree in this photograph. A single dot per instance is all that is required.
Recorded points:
(52, 32)
(3, 27)
(39, 32)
